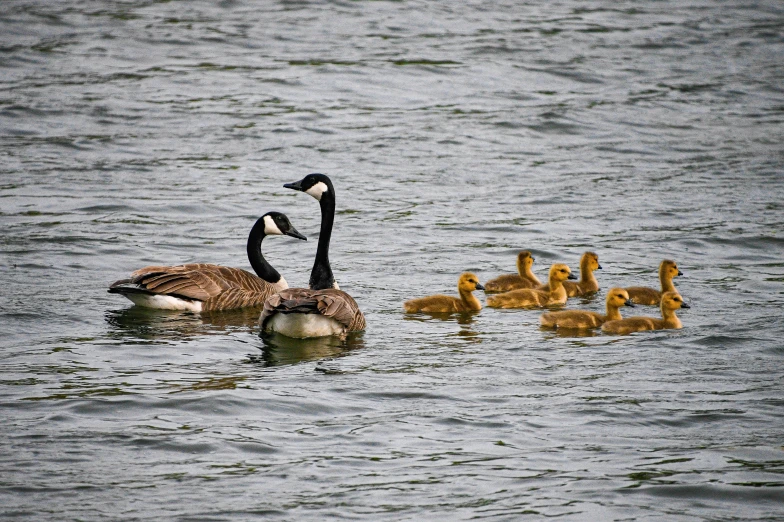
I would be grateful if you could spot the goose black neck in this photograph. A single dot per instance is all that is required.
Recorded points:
(321, 276)
(263, 269)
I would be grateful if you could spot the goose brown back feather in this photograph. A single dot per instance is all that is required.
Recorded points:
(218, 287)
(329, 302)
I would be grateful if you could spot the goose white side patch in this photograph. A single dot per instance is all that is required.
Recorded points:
(270, 228)
(280, 285)
(303, 326)
(317, 190)
(164, 302)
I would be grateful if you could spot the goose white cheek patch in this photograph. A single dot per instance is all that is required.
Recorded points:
(317, 190)
(270, 228)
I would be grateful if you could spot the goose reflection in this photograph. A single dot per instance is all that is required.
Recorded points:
(569, 332)
(147, 324)
(462, 318)
(280, 350)
(465, 319)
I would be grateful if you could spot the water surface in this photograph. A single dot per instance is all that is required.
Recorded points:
(144, 132)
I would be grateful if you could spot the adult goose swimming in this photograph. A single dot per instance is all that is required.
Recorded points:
(323, 309)
(201, 287)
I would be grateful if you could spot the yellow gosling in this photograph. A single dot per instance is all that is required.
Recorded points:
(467, 283)
(524, 278)
(670, 302)
(587, 283)
(650, 296)
(584, 319)
(535, 298)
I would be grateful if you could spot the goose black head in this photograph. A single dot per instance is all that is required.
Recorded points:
(315, 185)
(276, 223)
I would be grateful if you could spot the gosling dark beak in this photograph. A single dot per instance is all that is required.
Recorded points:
(599, 267)
(680, 273)
(684, 305)
(297, 185)
(572, 276)
(293, 233)
(629, 303)
(479, 287)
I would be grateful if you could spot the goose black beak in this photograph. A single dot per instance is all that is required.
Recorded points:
(599, 267)
(629, 303)
(684, 305)
(293, 233)
(680, 273)
(297, 185)
(572, 276)
(479, 287)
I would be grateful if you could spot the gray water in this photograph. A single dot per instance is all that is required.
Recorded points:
(144, 132)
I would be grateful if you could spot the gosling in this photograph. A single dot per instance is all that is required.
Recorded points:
(670, 302)
(467, 283)
(535, 298)
(587, 284)
(524, 278)
(650, 296)
(584, 319)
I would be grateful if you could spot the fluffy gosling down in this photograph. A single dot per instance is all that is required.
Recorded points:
(467, 283)
(524, 278)
(650, 296)
(584, 319)
(535, 298)
(670, 302)
(587, 284)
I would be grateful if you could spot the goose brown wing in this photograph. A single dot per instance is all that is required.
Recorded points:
(237, 298)
(200, 281)
(330, 302)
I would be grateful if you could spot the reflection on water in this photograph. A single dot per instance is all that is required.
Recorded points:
(466, 319)
(569, 332)
(462, 318)
(455, 134)
(211, 383)
(279, 349)
(140, 324)
(160, 325)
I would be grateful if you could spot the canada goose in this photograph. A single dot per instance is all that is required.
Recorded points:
(587, 284)
(524, 278)
(650, 296)
(583, 319)
(532, 297)
(467, 283)
(670, 302)
(201, 287)
(323, 309)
